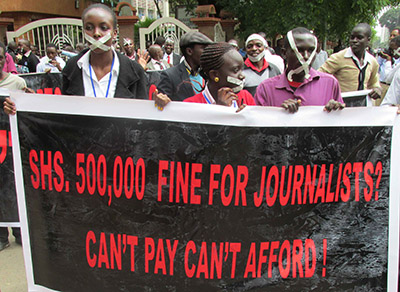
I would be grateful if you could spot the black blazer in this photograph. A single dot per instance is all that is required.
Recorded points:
(132, 81)
(175, 83)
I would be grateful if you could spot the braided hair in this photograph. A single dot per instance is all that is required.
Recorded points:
(212, 57)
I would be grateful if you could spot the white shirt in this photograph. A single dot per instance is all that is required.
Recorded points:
(274, 59)
(171, 58)
(44, 64)
(100, 86)
(393, 94)
(367, 57)
(157, 65)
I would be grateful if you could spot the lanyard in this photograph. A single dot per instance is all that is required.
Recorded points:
(109, 80)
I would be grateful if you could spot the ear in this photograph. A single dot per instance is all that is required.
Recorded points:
(213, 73)
(189, 51)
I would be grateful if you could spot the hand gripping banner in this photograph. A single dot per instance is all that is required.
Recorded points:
(115, 195)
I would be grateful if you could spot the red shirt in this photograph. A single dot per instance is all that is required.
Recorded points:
(244, 97)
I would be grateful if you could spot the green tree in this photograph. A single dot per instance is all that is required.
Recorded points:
(390, 19)
(326, 17)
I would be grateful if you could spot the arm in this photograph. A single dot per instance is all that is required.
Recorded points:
(331, 65)
(373, 82)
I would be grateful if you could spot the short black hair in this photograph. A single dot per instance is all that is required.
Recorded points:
(105, 8)
(365, 26)
(297, 30)
(51, 45)
(396, 40)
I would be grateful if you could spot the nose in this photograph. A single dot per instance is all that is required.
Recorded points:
(306, 55)
(96, 32)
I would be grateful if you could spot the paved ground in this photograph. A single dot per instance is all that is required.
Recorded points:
(12, 269)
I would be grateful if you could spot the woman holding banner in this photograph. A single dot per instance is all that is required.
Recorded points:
(222, 66)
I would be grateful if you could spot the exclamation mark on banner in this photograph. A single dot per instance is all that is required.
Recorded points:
(324, 250)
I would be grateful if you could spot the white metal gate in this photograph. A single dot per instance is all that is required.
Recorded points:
(167, 27)
(59, 31)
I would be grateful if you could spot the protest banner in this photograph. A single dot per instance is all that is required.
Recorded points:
(47, 83)
(8, 198)
(115, 195)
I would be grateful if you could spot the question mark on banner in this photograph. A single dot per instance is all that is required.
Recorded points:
(3, 145)
(378, 170)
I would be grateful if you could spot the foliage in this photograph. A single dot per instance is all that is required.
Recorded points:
(390, 19)
(325, 17)
(142, 24)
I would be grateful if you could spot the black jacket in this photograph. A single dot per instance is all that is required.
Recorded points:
(175, 83)
(131, 83)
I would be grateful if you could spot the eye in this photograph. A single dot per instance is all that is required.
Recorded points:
(88, 27)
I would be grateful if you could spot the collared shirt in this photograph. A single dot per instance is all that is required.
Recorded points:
(367, 58)
(393, 94)
(171, 58)
(158, 65)
(196, 80)
(318, 89)
(347, 73)
(44, 64)
(100, 86)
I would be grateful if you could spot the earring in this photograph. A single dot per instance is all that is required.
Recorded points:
(216, 79)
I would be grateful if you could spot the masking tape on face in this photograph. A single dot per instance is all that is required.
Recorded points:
(236, 81)
(257, 58)
(396, 52)
(127, 42)
(100, 43)
(305, 66)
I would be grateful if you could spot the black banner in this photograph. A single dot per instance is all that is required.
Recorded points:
(8, 198)
(47, 83)
(119, 204)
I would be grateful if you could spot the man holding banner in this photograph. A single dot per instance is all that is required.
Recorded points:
(300, 84)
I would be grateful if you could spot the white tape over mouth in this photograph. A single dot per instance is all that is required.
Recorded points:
(236, 81)
(257, 58)
(305, 66)
(396, 52)
(100, 43)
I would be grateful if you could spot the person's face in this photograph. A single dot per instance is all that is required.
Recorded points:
(359, 40)
(2, 59)
(129, 47)
(23, 47)
(196, 52)
(305, 44)
(394, 34)
(169, 47)
(393, 47)
(232, 66)
(254, 48)
(98, 23)
(51, 53)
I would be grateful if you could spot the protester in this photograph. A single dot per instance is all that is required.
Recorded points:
(393, 94)
(256, 67)
(300, 85)
(354, 67)
(160, 40)
(156, 61)
(26, 57)
(14, 82)
(234, 43)
(394, 64)
(139, 57)
(170, 57)
(9, 65)
(184, 80)
(51, 62)
(100, 71)
(12, 50)
(222, 67)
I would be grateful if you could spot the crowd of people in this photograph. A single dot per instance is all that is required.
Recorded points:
(296, 73)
